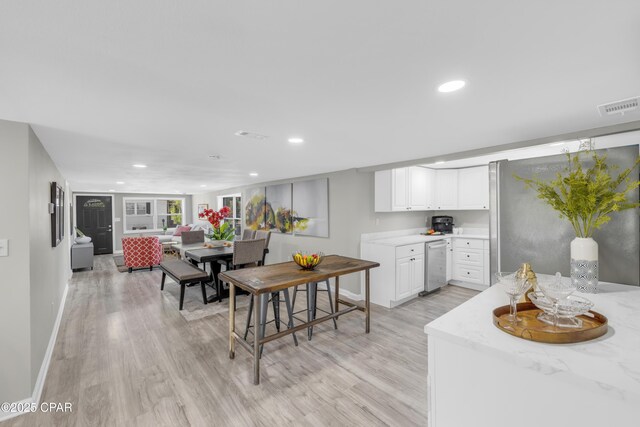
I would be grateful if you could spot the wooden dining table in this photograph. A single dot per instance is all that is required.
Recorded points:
(212, 256)
(260, 282)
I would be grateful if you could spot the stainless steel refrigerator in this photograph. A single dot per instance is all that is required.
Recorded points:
(523, 228)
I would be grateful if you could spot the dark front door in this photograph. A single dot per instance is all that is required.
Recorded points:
(94, 218)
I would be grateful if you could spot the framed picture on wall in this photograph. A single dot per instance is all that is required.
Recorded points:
(57, 214)
(201, 208)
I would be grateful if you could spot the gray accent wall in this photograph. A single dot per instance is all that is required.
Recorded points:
(531, 231)
(34, 275)
(351, 213)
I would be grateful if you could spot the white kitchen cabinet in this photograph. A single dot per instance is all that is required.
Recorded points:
(400, 276)
(449, 275)
(473, 188)
(404, 189)
(469, 265)
(399, 189)
(409, 276)
(446, 192)
(417, 274)
(420, 187)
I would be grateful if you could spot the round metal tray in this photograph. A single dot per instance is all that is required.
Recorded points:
(594, 325)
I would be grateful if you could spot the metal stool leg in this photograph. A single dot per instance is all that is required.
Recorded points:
(275, 300)
(264, 304)
(293, 299)
(290, 313)
(246, 330)
(312, 293)
(335, 323)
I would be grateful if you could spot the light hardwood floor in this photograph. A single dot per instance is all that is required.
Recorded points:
(124, 356)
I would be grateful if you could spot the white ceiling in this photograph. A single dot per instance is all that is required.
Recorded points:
(106, 84)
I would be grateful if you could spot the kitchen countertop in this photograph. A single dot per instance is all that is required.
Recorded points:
(609, 364)
(417, 238)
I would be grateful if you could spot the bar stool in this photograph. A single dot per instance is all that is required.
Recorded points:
(264, 304)
(312, 296)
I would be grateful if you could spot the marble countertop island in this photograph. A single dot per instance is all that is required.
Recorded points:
(604, 371)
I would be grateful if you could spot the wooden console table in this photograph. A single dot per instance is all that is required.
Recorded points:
(261, 281)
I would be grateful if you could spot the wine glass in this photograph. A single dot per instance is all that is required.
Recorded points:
(515, 287)
(556, 288)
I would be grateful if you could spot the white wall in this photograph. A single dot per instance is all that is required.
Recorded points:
(351, 213)
(34, 275)
(465, 219)
(15, 348)
(50, 267)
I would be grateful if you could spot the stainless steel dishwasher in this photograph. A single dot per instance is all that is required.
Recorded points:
(436, 266)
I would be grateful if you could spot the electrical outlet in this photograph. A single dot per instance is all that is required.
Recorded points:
(4, 247)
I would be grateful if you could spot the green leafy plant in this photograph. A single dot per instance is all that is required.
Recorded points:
(79, 233)
(586, 196)
(226, 231)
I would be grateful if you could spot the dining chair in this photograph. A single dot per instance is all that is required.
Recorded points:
(266, 236)
(247, 234)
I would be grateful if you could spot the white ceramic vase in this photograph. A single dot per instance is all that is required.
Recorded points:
(584, 264)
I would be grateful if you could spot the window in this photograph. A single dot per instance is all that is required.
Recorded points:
(152, 214)
(233, 202)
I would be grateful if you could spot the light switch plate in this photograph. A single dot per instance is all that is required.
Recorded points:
(116, 219)
(4, 247)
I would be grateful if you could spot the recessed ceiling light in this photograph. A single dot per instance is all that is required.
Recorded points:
(440, 162)
(253, 173)
(139, 165)
(451, 86)
(296, 140)
(202, 186)
(252, 135)
(113, 191)
(120, 182)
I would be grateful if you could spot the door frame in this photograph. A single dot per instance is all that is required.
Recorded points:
(113, 215)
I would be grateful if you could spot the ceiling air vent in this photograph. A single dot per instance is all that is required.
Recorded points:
(251, 135)
(619, 107)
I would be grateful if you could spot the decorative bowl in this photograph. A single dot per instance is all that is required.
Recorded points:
(83, 240)
(307, 260)
(568, 309)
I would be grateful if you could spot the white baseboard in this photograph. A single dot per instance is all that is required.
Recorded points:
(343, 292)
(44, 368)
(351, 295)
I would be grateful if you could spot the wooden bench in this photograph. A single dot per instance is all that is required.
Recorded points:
(184, 274)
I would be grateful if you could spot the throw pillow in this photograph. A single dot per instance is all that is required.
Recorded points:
(180, 229)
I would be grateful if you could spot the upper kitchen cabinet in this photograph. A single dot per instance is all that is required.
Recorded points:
(404, 189)
(446, 189)
(473, 188)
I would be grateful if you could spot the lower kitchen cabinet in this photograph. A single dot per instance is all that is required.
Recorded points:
(470, 263)
(449, 273)
(400, 276)
(409, 276)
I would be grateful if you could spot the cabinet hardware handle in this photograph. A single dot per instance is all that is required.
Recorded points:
(467, 256)
(468, 272)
